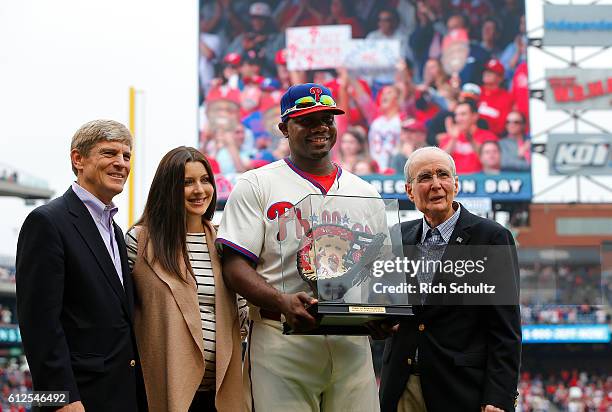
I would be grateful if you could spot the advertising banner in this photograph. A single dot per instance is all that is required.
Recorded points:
(578, 89)
(566, 334)
(505, 186)
(10, 335)
(570, 25)
(580, 154)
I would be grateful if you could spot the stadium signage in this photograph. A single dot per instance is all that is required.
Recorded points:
(578, 89)
(9, 335)
(566, 334)
(476, 204)
(571, 25)
(502, 187)
(589, 154)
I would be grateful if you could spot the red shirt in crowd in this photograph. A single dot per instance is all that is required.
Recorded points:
(466, 159)
(354, 113)
(494, 106)
(428, 113)
(520, 91)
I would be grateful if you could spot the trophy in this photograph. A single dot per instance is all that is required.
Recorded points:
(338, 249)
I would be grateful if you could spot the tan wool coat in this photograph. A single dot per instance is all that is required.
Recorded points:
(169, 334)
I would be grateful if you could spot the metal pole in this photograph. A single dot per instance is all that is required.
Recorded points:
(576, 117)
(132, 127)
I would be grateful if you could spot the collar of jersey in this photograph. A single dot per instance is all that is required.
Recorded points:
(306, 177)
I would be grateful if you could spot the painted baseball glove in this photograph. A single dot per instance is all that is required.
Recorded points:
(336, 258)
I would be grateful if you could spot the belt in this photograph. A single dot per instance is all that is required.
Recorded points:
(270, 314)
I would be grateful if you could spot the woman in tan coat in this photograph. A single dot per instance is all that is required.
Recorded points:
(187, 322)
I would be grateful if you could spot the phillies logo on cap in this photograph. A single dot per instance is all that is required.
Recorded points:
(317, 92)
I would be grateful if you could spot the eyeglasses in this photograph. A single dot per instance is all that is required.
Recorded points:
(514, 121)
(307, 102)
(385, 19)
(427, 177)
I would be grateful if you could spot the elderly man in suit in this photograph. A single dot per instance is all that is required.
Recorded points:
(450, 357)
(74, 291)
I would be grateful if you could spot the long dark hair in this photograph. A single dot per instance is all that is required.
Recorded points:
(164, 213)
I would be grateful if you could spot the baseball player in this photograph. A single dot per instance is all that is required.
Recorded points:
(292, 372)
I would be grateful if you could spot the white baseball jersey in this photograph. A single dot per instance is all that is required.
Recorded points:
(251, 223)
(298, 373)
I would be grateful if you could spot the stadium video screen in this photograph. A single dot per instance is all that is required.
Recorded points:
(407, 73)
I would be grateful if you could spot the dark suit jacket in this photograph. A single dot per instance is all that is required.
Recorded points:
(74, 315)
(468, 355)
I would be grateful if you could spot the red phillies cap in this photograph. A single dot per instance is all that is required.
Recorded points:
(232, 58)
(495, 66)
(414, 125)
(224, 93)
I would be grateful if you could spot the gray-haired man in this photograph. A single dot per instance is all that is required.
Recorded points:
(74, 291)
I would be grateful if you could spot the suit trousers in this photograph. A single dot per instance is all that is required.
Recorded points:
(412, 398)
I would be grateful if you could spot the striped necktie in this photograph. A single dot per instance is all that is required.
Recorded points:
(430, 250)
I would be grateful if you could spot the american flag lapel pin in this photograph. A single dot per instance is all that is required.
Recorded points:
(459, 240)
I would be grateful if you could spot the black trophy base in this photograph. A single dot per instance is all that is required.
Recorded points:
(349, 319)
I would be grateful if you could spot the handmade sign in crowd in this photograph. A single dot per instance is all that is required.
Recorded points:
(330, 47)
(317, 47)
(372, 55)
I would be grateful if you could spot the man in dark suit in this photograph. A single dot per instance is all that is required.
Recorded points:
(450, 357)
(74, 290)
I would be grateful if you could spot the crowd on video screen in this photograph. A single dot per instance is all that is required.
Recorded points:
(479, 114)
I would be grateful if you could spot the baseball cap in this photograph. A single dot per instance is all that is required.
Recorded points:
(233, 59)
(414, 125)
(223, 93)
(302, 99)
(260, 9)
(470, 91)
(269, 84)
(495, 66)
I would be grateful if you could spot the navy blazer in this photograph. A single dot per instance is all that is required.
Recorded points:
(468, 355)
(74, 315)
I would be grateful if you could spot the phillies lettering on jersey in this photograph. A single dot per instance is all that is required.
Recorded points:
(290, 216)
(287, 215)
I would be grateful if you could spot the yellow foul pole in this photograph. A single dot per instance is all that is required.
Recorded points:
(132, 126)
